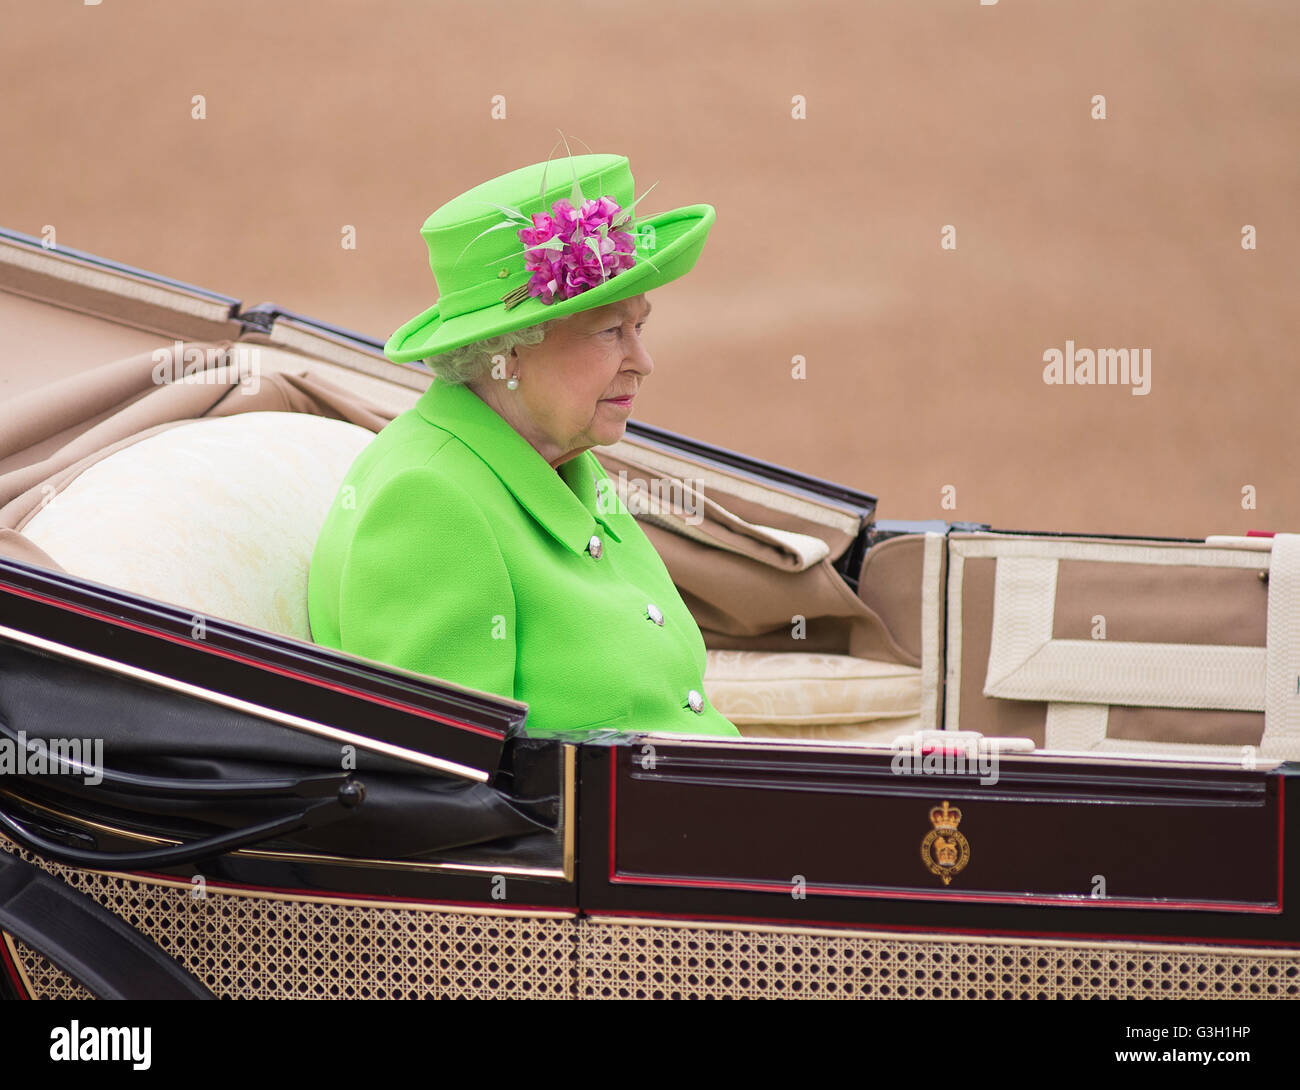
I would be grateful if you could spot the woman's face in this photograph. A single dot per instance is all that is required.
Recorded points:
(563, 404)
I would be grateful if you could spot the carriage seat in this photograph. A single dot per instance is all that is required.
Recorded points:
(809, 695)
(218, 515)
(221, 515)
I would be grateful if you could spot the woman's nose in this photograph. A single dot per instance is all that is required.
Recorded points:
(639, 356)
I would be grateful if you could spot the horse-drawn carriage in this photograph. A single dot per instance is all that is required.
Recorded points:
(975, 763)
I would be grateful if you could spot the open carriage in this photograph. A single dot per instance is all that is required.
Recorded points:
(977, 762)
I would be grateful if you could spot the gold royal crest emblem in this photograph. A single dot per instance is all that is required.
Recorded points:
(944, 850)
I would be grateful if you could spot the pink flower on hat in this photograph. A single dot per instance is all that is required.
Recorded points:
(596, 213)
(585, 250)
(542, 230)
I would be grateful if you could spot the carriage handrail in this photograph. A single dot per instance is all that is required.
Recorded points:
(348, 797)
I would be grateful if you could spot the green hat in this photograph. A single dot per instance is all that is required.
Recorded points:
(478, 257)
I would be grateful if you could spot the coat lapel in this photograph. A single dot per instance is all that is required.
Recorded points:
(564, 504)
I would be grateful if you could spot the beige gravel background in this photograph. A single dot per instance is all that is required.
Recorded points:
(924, 365)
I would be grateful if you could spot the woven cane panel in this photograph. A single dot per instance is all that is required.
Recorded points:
(255, 947)
(47, 981)
(644, 961)
(244, 946)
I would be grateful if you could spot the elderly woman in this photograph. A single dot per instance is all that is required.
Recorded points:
(477, 538)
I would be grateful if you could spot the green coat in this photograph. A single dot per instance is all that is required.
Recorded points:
(453, 549)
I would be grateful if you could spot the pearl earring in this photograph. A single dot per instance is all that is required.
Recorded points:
(512, 383)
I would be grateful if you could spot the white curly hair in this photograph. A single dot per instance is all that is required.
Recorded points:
(471, 362)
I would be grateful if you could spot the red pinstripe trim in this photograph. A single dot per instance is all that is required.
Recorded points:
(939, 896)
(322, 895)
(12, 970)
(839, 925)
(209, 649)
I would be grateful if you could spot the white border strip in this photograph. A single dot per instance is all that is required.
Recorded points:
(931, 626)
(1024, 605)
(1025, 663)
(1076, 726)
(60, 265)
(1282, 675)
(1153, 553)
(954, 622)
(284, 719)
(1160, 675)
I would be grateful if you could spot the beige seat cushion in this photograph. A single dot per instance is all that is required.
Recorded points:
(217, 515)
(771, 694)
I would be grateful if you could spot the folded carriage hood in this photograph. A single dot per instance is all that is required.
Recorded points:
(136, 729)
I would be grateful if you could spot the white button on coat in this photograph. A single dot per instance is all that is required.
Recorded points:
(652, 611)
(593, 547)
(695, 701)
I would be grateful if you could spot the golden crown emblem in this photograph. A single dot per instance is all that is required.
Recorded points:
(945, 818)
(945, 851)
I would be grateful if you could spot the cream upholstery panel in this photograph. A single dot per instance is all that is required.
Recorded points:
(1080, 680)
(811, 695)
(219, 515)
